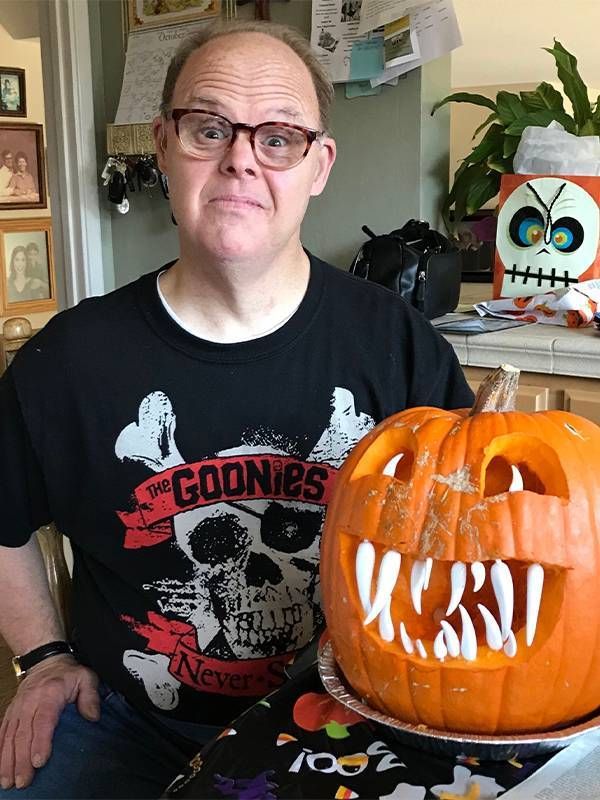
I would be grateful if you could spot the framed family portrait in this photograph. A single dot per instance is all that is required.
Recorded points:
(26, 258)
(12, 92)
(142, 14)
(22, 175)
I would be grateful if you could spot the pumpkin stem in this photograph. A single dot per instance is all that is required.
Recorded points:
(498, 390)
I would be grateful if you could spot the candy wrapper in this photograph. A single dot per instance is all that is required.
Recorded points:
(572, 307)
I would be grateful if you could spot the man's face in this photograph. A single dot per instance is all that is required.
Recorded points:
(8, 160)
(232, 207)
(22, 165)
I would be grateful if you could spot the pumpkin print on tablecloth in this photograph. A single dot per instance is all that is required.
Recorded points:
(460, 564)
(314, 711)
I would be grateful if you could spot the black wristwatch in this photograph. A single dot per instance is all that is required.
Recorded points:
(21, 664)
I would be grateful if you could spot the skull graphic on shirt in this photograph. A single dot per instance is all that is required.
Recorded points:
(254, 590)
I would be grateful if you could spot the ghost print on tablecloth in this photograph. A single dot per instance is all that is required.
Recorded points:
(547, 235)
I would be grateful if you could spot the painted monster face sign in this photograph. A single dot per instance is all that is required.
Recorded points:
(547, 235)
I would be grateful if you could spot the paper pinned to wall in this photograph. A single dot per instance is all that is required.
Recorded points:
(375, 13)
(149, 53)
(334, 32)
(401, 43)
(437, 33)
(366, 59)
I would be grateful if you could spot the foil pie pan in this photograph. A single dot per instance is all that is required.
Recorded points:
(450, 743)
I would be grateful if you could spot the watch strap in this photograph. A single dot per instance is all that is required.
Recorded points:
(25, 662)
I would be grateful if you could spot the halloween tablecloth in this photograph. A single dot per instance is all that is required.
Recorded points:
(301, 743)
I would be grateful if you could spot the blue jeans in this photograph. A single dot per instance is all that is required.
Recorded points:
(125, 754)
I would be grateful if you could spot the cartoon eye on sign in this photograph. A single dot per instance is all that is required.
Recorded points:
(547, 235)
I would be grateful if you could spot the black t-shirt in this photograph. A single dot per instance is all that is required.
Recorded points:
(192, 477)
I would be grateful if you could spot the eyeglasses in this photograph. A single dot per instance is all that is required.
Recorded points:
(276, 145)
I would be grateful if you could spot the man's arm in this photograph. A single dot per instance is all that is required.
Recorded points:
(28, 619)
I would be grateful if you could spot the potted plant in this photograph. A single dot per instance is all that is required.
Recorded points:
(477, 179)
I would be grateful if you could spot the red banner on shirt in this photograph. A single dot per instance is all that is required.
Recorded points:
(221, 480)
(248, 678)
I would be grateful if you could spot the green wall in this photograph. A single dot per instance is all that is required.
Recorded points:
(391, 165)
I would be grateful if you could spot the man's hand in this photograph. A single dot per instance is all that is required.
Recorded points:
(28, 725)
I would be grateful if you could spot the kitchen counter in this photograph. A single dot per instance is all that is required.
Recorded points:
(547, 349)
(560, 366)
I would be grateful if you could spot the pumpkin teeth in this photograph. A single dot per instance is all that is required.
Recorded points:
(428, 568)
(510, 645)
(468, 642)
(498, 634)
(458, 580)
(417, 582)
(517, 480)
(365, 563)
(504, 591)
(493, 634)
(386, 626)
(390, 467)
(440, 650)
(389, 570)
(406, 640)
(451, 639)
(535, 583)
(478, 573)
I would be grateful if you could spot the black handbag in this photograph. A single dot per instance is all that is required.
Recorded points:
(417, 262)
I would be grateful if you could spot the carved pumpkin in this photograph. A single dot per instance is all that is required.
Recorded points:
(460, 566)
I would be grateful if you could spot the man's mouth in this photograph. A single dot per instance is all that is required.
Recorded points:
(237, 201)
(451, 610)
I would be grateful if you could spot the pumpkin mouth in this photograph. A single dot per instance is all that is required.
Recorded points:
(453, 611)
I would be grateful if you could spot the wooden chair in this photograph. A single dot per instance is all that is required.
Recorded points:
(16, 331)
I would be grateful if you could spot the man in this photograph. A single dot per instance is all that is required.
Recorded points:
(22, 182)
(188, 434)
(6, 173)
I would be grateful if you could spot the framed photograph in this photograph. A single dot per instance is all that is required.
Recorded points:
(28, 280)
(12, 92)
(144, 14)
(22, 175)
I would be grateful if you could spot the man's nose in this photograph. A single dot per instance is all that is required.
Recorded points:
(239, 158)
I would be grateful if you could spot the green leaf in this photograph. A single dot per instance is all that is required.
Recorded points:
(481, 190)
(542, 118)
(509, 107)
(588, 128)
(501, 165)
(543, 96)
(575, 88)
(465, 97)
(510, 145)
(596, 114)
(483, 125)
(491, 143)
(459, 193)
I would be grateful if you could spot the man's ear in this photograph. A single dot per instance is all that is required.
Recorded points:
(159, 131)
(325, 159)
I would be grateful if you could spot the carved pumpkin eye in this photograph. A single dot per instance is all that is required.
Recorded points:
(400, 466)
(521, 462)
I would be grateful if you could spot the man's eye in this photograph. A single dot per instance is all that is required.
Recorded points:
(276, 141)
(212, 133)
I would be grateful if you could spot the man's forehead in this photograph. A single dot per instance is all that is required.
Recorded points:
(252, 67)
